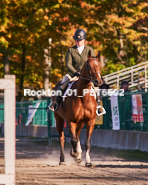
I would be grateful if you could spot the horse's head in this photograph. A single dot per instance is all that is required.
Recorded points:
(93, 69)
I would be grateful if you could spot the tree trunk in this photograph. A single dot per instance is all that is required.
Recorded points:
(62, 62)
(46, 70)
(47, 56)
(120, 36)
(22, 74)
(6, 64)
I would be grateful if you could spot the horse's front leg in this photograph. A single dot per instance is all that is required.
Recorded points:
(90, 126)
(72, 129)
(79, 149)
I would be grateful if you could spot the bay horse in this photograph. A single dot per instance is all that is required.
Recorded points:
(79, 109)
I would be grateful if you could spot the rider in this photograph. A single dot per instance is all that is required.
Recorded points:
(75, 59)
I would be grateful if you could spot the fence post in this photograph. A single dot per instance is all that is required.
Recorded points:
(145, 78)
(147, 111)
(132, 78)
(50, 117)
(8, 84)
(104, 116)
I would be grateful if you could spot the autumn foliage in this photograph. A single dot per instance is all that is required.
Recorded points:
(118, 28)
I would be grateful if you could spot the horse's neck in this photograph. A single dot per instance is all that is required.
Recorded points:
(83, 84)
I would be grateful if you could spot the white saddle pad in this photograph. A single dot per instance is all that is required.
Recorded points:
(69, 86)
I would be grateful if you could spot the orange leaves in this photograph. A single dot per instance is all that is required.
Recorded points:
(2, 39)
(86, 5)
(60, 1)
(126, 21)
(83, 4)
(2, 28)
(46, 17)
(129, 10)
(55, 15)
(50, 22)
(65, 19)
(31, 23)
(15, 58)
(143, 5)
(29, 58)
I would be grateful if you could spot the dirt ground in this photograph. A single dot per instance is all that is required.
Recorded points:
(37, 163)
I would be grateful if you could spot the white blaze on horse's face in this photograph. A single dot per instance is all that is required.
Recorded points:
(94, 72)
(97, 79)
(99, 74)
(96, 62)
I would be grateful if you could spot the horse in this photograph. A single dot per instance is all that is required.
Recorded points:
(80, 109)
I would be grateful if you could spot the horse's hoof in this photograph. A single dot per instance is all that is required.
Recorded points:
(88, 164)
(62, 163)
(78, 161)
(73, 154)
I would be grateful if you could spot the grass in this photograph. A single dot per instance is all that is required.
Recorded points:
(133, 155)
(128, 155)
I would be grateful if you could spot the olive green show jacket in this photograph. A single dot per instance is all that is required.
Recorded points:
(75, 61)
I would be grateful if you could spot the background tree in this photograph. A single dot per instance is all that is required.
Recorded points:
(117, 28)
(115, 25)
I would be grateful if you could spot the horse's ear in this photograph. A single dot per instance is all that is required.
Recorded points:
(89, 54)
(98, 55)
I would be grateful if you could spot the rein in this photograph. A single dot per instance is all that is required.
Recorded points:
(89, 77)
(84, 78)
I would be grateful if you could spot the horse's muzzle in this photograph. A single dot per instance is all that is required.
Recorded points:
(97, 83)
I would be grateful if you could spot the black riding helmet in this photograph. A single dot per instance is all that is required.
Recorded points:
(79, 34)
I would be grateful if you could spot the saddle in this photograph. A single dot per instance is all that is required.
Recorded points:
(54, 104)
(99, 111)
(67, 89)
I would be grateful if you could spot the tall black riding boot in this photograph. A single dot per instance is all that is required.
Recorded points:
(58, 100)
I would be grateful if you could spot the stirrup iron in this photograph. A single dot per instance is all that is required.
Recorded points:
(103, 112)
(51, 106)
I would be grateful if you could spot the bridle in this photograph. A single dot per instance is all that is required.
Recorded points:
(90, 77)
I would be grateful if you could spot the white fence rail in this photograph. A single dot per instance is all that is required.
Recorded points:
(137, 76)
(8, 84)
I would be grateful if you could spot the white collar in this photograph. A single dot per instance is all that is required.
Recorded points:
(80, 48)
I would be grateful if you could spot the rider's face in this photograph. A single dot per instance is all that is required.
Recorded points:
(80, 42)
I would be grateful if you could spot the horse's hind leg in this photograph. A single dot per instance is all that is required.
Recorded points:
(90, 126)
(59, 126)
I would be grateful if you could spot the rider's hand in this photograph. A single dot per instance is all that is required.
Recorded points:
(77, 74)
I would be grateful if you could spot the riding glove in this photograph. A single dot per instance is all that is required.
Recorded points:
(77, 74)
